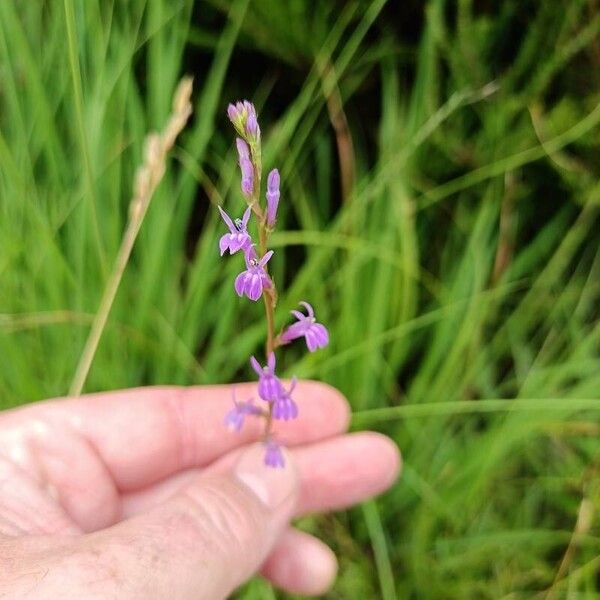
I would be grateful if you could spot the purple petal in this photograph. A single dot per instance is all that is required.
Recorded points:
(256, 366)
(246, 216)
(298, 315)
(321, 334)
(247, 186)
(234, 419)
(280, 411)
(238, 241)
(273, 181)
(309, 309)
(254, 289)
(271, 362)
(232, 112)
(252, 125)
(272, 197)
(285, 409)
(249, 255)
(247, 176)
(242, 148)
(311, 341)
(227, 220)
(269, 388)
(265, 259)
(293, 332)
(292, 409)
(272, 204)
(273, 455)
(240, 283)
(224, 243)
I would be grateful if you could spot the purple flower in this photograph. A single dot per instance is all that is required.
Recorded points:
(273, 455)
(269, 386)
(238, 237)
(315, 334)
(284, 408)
(254, 279)
(272, 196)
(234, 419)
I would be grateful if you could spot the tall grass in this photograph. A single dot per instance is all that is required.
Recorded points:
(440, 182)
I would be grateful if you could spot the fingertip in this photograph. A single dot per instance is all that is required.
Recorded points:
(389, 457)
(301, 564)
(345, 470)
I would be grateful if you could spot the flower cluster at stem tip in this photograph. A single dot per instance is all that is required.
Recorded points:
(254, 283)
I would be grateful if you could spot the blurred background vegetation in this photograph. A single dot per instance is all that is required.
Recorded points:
(440, 201)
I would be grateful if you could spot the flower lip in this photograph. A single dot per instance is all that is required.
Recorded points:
(284, 407)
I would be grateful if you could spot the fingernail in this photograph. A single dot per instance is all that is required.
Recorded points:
(272, 486)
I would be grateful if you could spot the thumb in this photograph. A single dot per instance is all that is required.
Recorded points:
(208, 538)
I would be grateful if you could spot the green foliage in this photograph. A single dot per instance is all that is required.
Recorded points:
(460, 277)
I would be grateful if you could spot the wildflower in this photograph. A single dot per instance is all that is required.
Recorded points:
(254, 279)
(238, 237)
(273, 455)
(272, 196)
(315, 334)
(234, 419)
(269, 385)
(284, 408)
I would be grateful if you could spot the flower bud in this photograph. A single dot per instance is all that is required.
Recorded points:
(243, 116)
(243, 150)
(272, 197)
(247, 176)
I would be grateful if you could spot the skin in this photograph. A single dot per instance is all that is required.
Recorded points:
(144, 493)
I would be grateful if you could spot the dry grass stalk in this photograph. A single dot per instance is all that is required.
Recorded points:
(147, 179)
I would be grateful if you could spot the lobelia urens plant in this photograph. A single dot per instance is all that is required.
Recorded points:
(276, 402)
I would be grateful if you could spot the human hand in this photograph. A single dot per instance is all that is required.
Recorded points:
(143, 494)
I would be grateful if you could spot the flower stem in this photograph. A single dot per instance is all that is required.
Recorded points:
(269, 294)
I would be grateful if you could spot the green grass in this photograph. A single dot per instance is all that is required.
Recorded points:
(460, 276)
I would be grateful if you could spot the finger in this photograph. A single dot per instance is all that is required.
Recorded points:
(334, 474)
(301, 564)
(142, 436)
(344, 471)
(206, 540)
